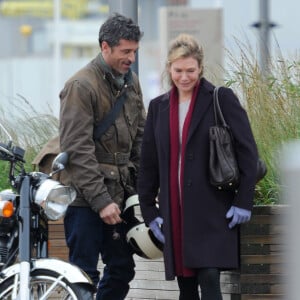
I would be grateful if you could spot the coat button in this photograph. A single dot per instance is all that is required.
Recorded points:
(190, 156)
(189, 182)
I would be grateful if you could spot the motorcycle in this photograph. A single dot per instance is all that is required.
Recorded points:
(26, 271)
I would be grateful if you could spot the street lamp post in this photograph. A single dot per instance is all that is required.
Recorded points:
(264, 26)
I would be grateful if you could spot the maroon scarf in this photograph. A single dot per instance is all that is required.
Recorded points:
(176, 201)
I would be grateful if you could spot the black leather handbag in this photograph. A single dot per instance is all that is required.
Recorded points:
(223, 167)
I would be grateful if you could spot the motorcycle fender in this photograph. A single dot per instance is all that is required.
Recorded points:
(71, 272)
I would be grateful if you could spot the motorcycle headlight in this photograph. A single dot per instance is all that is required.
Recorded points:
(54, 198)
(7, 198)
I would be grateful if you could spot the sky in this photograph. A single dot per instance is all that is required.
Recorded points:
(239, 15)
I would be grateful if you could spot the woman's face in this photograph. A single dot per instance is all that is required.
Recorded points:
(184, 73)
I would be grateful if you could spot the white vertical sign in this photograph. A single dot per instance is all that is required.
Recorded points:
(206, 25)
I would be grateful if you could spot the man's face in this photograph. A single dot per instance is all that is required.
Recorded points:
(120, 57)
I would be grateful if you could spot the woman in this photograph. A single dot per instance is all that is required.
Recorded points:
(200, 223)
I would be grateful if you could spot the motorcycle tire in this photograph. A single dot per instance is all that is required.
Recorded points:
(40, 282)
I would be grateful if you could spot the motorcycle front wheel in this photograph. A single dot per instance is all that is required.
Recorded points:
(45, 284)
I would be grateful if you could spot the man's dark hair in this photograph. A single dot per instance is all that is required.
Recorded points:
(118, 27)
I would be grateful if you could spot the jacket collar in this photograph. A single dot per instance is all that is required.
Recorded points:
(116, 82)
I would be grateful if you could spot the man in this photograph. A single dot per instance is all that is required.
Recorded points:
(103, 170)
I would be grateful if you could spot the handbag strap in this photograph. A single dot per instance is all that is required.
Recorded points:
(104, 124)
(219, 118)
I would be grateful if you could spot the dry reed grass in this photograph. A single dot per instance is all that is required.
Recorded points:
(273, 105)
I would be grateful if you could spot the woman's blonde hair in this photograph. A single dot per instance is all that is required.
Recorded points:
(183, 46)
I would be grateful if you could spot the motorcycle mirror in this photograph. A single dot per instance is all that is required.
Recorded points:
(59, 162)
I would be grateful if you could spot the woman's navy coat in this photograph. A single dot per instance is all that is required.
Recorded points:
(207, 240)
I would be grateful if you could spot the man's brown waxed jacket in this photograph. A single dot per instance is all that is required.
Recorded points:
(102, 170)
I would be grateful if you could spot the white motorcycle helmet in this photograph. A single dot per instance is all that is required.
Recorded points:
(139, 236)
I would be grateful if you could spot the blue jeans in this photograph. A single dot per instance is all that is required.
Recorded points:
(87, 236)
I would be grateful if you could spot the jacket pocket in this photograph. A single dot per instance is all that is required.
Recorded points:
(132, 112)
(128, 178)
(112, 182)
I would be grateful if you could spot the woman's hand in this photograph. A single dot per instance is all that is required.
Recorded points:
(238, 215)
(155, 227)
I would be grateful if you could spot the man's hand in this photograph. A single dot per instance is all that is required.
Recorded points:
(110, 214)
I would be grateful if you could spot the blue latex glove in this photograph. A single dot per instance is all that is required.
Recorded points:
(155, 228)
(238, 215)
